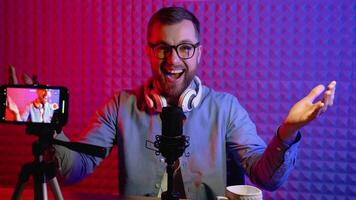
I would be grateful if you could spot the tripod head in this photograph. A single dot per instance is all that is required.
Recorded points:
(47, 132)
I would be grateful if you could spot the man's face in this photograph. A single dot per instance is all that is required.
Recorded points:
(43, 95)
(172, 75)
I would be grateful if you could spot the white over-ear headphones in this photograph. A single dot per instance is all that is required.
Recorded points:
(188, 100)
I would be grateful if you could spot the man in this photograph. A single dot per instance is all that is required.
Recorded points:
(39, 110)
(214, 122)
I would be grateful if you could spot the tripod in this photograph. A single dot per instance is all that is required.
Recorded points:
(41, 172)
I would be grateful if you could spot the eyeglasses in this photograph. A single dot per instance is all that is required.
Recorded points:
(183, 50)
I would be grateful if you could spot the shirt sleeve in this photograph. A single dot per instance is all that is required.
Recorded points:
(102, 132)
(267, 166)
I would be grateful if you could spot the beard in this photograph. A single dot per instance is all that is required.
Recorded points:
(173, 90)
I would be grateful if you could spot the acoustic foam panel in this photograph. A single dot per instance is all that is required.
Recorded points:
(269, 54)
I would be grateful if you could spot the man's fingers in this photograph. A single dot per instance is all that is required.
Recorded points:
(27, 79)
(331, 88)
(319, 108)
(326, 97)
(315, 92)
(12, 76)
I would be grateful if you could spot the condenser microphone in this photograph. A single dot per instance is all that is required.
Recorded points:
(172, 121)
(172, 143)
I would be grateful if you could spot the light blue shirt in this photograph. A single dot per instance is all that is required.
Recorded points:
(218, 122)
(36, 114)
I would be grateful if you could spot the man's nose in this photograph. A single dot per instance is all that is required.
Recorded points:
(173, 57)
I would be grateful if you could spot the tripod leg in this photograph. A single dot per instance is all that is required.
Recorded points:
(56, 189)
(25, 173)
(40, 191)
(44, 191)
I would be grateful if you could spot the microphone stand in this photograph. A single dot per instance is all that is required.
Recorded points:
(171, 149)
(42, 170)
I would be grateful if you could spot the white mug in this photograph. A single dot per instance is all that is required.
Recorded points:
(241, 192)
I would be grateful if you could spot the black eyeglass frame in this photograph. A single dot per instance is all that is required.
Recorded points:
(175, 47)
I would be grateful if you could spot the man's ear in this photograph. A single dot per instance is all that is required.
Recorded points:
(200, 49)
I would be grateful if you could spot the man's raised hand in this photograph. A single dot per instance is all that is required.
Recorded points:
(306, 110)
(26, 79)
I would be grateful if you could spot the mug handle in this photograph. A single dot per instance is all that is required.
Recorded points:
(221, 198)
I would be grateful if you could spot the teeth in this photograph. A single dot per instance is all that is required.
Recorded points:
(176, 71)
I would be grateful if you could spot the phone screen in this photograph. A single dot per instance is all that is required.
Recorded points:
(32, 105)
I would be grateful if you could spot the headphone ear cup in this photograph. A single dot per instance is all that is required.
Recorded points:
(148, 99)
(191, 97)
(154, 101)
(159, 101)
(186, 99)
(197, 98)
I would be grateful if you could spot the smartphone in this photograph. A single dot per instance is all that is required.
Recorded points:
(26, 104)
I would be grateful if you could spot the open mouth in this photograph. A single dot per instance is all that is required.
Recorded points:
(174, 74)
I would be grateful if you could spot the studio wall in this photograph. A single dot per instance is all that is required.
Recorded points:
(269, 54)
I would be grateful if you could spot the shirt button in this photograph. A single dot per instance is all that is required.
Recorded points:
(161, 160)
(279, 149)
(157, 186)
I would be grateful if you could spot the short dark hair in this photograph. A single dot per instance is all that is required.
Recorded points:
(173, 15)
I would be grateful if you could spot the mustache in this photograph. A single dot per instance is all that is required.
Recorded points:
(165, 64)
